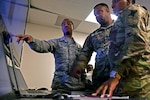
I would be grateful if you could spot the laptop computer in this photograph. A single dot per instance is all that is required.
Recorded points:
(16, 80)
(6, 90)
(20, 87)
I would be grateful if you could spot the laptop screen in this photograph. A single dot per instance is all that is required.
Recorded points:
(14, 14)
(5, 82)
(17, 79)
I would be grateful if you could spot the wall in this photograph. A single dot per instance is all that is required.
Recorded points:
(38, 68)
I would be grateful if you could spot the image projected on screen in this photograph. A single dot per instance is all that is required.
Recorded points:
(14, 14)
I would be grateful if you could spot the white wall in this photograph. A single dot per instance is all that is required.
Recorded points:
(38, 68)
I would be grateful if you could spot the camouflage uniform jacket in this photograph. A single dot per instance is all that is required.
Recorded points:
(96, 42)
(64, 52)
(129, 50)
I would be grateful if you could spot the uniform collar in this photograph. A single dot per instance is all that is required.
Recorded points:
(123, 9)
(63, 38)
(103, 28)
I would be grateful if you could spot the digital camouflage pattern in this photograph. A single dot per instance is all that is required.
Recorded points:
(129, 51)
(97, 42)
(65, 53)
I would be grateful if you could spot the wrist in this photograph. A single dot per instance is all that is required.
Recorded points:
(118, 76)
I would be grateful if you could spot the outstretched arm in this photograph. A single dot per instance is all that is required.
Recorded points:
(27, 38)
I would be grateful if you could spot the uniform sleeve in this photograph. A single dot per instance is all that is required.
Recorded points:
(86, 53)
(43, 46)
(136, 35)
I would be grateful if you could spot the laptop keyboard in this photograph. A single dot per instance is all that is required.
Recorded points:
(36, 91)
(33, 91)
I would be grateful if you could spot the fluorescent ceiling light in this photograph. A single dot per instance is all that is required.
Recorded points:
(91, 17)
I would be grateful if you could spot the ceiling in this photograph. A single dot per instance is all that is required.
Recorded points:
(52, 12)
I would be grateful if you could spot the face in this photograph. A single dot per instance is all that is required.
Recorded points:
(118, 5)
(67, 26)
(101, 13)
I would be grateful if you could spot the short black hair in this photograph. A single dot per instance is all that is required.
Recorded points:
(68, 20)
(133, 1)
(101, 4)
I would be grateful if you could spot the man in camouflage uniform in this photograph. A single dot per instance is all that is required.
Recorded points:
(65, 51)
(129, 51)
(97, 42)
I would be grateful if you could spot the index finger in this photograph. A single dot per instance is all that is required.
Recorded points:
(98, 90)
(19, 35)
